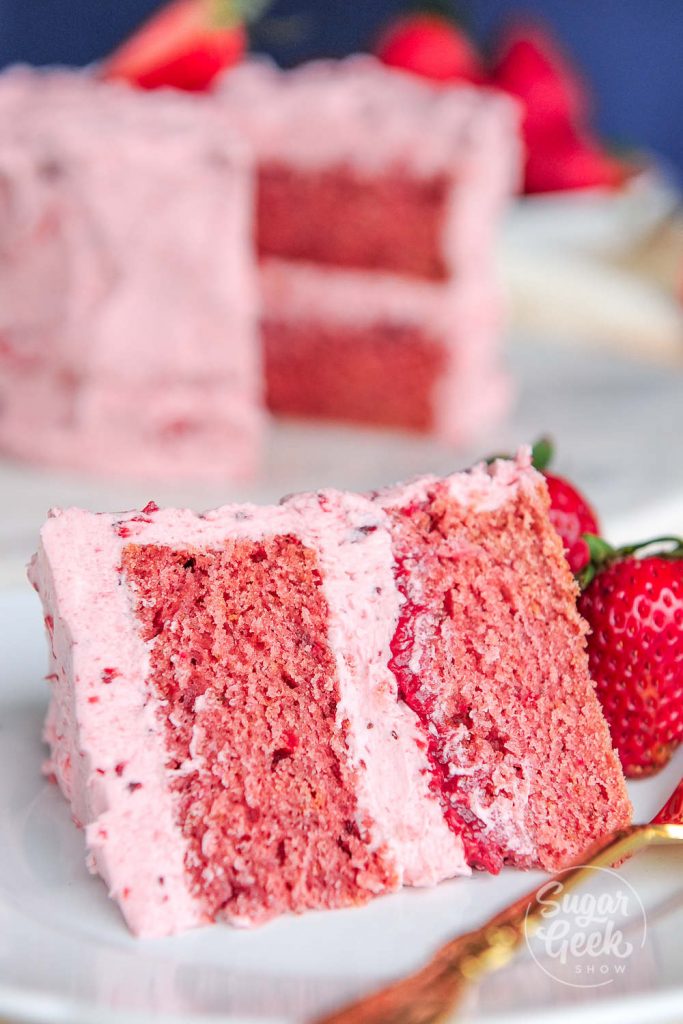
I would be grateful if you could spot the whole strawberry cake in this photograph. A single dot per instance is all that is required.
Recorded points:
(130, 227)
(268, 709)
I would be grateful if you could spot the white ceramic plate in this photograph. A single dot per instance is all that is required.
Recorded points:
(65, 955)
(598, 221)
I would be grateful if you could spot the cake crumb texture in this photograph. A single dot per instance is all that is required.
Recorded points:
(490, 654)
(246, 682)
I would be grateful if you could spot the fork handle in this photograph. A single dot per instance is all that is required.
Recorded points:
(495, 943)
(429, 995)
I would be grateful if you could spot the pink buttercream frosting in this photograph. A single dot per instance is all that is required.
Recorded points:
(306, 291)
(96, 724)
(359, 111)
(128, 336)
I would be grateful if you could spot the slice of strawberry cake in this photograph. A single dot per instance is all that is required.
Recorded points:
(379, 203)
(269, 709)
(128, 293)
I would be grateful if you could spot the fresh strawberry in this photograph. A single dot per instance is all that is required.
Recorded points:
(560, 159)
(430, 46)
(530, 66)
(185, 45)
(562, 155)
(570, 513)
(672, 811)
(633, 602)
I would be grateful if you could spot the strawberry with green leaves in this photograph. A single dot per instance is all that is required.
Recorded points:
(632, 598)
(184, 45)
(561, 151)
(570, 512)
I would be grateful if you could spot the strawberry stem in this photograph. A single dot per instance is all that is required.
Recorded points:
(229, 13)
(601, 553)
(542, 453)
(222, 14)
(600, 550)
(675, 552)
(438, 8)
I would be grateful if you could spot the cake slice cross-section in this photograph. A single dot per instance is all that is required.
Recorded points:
(263, 710)
(379, 203)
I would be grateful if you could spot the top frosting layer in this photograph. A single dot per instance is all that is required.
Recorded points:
(72, 109)
(357, 110)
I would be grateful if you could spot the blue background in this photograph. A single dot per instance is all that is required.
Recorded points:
(631, 50)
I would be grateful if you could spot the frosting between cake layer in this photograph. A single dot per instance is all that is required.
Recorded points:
(305, 291)
(384, 742)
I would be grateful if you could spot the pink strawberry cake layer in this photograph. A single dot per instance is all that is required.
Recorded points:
(382, 349)
(128, 293)
(262, 710)
(362, 166)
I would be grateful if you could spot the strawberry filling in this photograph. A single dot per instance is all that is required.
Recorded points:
(479, 850)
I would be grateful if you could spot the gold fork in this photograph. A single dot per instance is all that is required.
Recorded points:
(432, 993)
